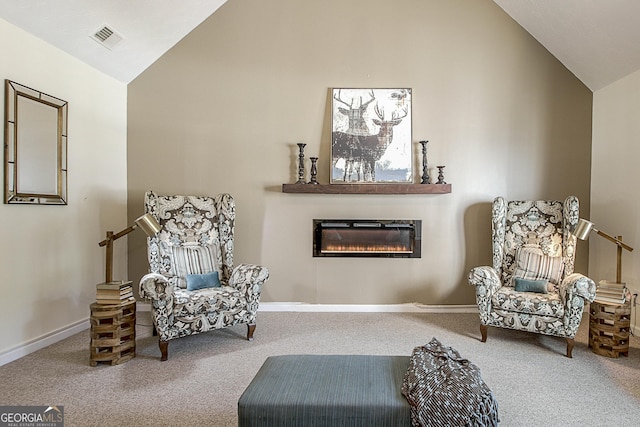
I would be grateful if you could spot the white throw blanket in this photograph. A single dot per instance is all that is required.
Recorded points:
(443, 389)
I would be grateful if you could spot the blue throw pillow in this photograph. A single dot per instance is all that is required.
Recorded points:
(528, 285)
(201, 281)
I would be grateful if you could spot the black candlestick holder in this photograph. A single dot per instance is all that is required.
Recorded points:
(440, 175)
(314, 170)
(425, 170)
(301, 146)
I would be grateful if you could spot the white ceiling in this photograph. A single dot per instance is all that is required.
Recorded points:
(149, 28)
(597, 40)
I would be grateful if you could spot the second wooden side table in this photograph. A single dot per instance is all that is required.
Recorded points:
(609, 328)
(113, 332)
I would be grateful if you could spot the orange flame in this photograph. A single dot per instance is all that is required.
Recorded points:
(358, 248)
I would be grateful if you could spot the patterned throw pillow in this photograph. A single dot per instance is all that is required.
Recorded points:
(191, 260)
(534, 266)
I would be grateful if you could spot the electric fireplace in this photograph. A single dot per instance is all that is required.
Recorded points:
(367, 238)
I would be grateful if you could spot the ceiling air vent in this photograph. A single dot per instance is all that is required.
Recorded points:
(107, 37)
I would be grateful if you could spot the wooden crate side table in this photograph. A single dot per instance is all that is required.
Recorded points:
(609, 328)
(113, 333)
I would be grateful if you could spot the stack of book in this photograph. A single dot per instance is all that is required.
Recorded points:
(611, 292)
(114, 292)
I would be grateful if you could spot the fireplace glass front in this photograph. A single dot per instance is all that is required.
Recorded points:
(367, 238)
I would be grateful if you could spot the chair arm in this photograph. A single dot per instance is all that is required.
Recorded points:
(574, 290)
(577, 284)
(155, 286)
(159, 290)
(487, 282)
(248, 279)
(487, 277)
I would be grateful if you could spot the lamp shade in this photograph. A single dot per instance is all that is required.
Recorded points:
(583, 228)
(148, 224)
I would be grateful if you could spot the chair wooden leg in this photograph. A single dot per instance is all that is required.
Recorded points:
(570, 343)
(164, 350)
(250, 329)
(483, 332)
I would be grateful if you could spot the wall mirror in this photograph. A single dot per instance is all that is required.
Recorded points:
(35, 147)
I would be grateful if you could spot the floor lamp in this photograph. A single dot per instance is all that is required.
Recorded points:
(584, 228)
(146, 223)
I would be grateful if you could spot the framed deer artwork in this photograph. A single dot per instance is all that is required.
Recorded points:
(371, 136)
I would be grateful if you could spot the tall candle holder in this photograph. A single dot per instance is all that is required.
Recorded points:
(301, 146)
(425, 170)
(314, 170)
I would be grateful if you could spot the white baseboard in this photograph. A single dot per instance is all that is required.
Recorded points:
(43, 341)
(367, 308)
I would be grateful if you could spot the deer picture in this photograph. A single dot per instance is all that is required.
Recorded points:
(361, 153)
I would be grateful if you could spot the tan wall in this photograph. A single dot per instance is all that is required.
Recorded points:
(223, 109)
(615, 206)
(51, 260)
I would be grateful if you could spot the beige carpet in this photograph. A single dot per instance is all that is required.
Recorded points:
(534, 384)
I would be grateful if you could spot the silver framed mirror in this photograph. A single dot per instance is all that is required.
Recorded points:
(35, 147)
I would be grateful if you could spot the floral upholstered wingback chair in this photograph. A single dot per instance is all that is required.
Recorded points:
(192, 283)
(531, 285)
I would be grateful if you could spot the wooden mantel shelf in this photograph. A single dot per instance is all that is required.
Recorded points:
(367, 188)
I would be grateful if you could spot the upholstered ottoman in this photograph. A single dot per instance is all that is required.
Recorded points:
(327, 390)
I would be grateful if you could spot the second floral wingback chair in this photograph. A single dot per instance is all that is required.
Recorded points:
(531, 285)
(192, 283)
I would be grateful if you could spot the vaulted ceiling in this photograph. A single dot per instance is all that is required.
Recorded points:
(148, 28)
(596, 40)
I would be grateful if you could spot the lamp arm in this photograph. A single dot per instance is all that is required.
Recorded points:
(613, 239)
(118, 235)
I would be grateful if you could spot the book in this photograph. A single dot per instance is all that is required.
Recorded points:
(610, 294)
(116, 292)
(113, 285)
(610, 290)
(605, 284)
(114, 297)
(604, 300)
(115, 302)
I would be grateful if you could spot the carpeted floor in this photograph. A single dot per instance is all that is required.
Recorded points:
(533, 382)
